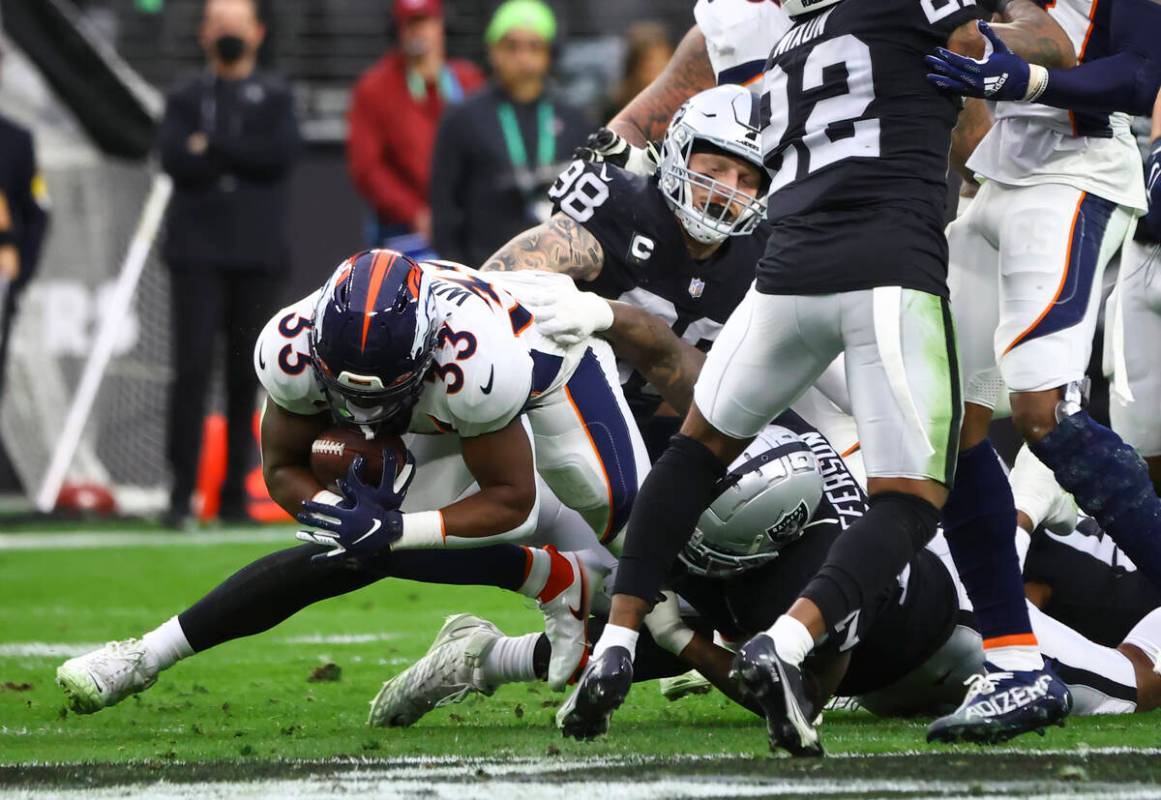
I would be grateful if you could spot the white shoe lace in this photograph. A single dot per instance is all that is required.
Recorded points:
(434, 681)
(983, 683)
(121, 666)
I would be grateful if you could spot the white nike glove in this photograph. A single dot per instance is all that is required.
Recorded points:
(666, 627)
(563, 313)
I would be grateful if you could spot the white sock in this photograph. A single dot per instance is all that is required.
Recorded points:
(616, 636)
(510, 660)
(540, 567)
(792, 641)
(166, 645)
(1015, 658)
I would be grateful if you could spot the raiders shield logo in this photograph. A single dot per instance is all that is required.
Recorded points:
(789, 526)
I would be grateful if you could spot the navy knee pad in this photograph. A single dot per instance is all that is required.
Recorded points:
(1110, 482)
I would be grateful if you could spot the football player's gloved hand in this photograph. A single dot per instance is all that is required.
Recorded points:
(999, 75)
(606, 146)
(666, 626)
(570, 316)
(368, 519)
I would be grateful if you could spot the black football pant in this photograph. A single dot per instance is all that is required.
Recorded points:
(211, 306)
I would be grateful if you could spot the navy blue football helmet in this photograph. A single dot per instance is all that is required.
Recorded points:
(373, 338)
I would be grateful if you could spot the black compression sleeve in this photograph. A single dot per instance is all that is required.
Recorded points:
(677, 490)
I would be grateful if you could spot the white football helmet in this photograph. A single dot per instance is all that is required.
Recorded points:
(796, 8)
(728, 118)
(772, 491)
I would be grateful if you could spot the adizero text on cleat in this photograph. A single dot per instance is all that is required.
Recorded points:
(1002, 705)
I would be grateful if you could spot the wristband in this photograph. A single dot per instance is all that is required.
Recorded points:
(422, 530)
(1037, 82)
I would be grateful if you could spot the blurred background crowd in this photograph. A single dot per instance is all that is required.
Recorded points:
(295, 133)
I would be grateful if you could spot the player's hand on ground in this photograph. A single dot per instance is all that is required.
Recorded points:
(606, 146)
(367, 519)
(999, 75)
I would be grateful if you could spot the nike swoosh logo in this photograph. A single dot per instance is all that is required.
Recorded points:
(491, 378)
(261, 361)
(1154, 174)
(374, 527)
(578, 613)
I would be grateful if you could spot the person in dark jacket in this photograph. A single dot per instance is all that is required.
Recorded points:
(228, 139)
(498, 152)
(23, 221)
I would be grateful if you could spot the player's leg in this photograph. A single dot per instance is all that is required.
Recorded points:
(979, 518)
(1132, 336)
(904, 384)
(275, 587)
(769, 351)
(1101, 680)
(588, 447)
(197, 308)
(1043, 364)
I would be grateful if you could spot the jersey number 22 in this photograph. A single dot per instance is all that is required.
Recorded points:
(808, 136)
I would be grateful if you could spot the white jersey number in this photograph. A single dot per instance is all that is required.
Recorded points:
(833, 130)
(939, 9)
(578, 192)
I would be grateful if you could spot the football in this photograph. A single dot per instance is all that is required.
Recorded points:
(333, 451)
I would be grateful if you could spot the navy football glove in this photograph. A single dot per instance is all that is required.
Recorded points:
(367, 519)
(999, 75)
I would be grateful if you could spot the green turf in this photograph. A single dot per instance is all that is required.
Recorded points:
(251, 699)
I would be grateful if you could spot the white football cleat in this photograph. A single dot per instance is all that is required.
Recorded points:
(106, 676)
(685, 684)
(566, 624)
(679, 686)
(447, 673)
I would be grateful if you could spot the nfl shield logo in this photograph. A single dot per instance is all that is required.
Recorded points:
(696, 287)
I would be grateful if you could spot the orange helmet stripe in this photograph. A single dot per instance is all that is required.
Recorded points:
(380, 263)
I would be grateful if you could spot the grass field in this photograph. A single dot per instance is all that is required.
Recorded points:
(244, 720)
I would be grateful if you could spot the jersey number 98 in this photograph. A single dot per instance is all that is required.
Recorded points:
(579, 193)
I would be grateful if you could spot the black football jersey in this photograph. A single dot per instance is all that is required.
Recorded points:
(857, 144)
(646, 261)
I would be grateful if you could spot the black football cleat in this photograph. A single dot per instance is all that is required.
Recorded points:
(1002, 705)
(777, 687)
(603, 686)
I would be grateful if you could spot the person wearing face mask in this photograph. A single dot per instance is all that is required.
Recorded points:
(395, 111)
(228, 139)
(498, 152)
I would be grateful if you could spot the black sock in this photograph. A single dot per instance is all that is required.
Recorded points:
(541, 655)
(677, 490)
(862, 565)
(277, 586)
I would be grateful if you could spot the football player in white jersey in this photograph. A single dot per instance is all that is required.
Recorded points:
(432, 348)
(1058, 197)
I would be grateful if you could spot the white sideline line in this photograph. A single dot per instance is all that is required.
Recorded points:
(46, 649)
(94, 540)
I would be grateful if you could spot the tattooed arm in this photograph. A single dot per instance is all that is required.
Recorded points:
(688, 72)
(644, 340)
(1026, 29)
(559, 245)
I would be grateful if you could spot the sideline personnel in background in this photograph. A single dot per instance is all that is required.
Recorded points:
(228, 140)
